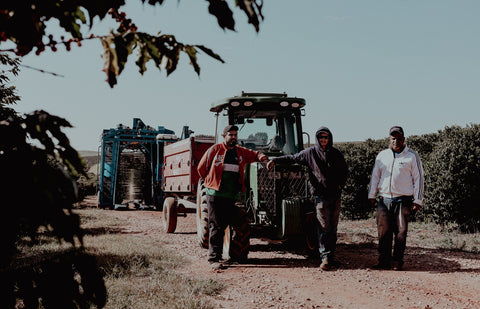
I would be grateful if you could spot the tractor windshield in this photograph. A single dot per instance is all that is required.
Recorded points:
(272, 132)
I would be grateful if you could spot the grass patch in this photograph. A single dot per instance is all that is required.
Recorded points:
(430, 235)
(139, 273)
(420, 234)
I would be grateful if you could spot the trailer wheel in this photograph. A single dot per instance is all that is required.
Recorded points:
(169, 215)
(240, 241)
(202, 215)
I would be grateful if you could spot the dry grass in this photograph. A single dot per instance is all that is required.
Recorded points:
(450, 238)
(137, 272)
(424, 235)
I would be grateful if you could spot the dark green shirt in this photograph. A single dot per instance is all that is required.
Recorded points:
(230, 184)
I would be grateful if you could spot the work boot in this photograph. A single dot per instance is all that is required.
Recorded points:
(397, 265)
(382, 266)
(325, 265)
(216, 266)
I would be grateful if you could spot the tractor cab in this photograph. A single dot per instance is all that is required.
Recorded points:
(271, 123)
(268, 122)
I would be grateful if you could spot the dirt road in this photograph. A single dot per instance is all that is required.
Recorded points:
(276, 278)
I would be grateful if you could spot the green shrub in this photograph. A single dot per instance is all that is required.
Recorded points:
(360, 158)
(451, 161)
(452, 178)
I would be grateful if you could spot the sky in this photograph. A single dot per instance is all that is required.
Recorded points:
(361, 66)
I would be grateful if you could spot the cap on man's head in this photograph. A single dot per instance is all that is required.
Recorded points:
(230, 128)
(396, 129)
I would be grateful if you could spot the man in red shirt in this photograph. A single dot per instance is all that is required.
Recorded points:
(222, 169)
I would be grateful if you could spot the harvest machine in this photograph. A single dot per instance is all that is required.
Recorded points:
(131, 165)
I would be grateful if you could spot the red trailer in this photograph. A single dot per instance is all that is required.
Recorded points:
(180, 177)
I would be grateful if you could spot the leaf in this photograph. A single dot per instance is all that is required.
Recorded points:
(209, 52)
(143, 58)
(69, 21)
(101, 8)
(154, 2)
(110, 65)
(147, 45)
(192, 54)
(247, 7)
(171, 50)
(220, 9)
(123, 48)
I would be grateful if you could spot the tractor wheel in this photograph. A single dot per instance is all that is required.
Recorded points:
(202, 215)
(240, 241)
(169, 215)
(311, 242)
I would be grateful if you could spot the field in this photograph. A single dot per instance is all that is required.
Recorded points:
(152, 269)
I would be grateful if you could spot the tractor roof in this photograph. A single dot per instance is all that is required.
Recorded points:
(259, 101)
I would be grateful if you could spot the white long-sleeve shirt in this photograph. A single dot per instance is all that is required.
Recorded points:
(396, 176)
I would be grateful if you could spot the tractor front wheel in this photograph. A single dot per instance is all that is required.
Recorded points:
(202, 215)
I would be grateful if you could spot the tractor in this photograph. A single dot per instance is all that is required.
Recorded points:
(276, 203)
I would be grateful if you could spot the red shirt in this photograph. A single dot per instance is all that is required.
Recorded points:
(210, 167)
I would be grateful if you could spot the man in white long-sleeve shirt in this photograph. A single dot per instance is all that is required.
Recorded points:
(398, 179)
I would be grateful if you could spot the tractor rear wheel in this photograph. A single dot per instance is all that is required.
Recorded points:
(240, 240)
(202, 215)
(169, 215)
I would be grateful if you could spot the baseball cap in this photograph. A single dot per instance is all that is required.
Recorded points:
(230, 128)
(396, 129)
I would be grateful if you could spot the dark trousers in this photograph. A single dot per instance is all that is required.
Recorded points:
(392, 220)
(222, 212)
(327, 213)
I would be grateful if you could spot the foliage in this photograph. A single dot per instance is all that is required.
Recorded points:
(163, 50)
(451, 161)
(452, 178)
(8, 93)
(360, 158)
(424, 145)
(138, 272)
(37, 160)
(87, 185)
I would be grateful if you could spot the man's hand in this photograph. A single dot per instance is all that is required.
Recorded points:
(416, 207)
(372, 201)
(270, 165)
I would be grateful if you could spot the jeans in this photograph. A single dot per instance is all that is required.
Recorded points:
(392, 219)
(327, 214)
(221, 213)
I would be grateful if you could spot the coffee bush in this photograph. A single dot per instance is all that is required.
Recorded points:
(451, 161)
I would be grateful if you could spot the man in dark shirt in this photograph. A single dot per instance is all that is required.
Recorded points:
(328, 173)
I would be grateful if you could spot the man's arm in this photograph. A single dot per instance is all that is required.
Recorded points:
(251, 156)
(418, 182)
(285, 159)
(202, 165)
(374, 179)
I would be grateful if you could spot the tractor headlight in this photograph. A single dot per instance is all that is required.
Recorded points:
(284, 104)
(235, 103)
(248, 103)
